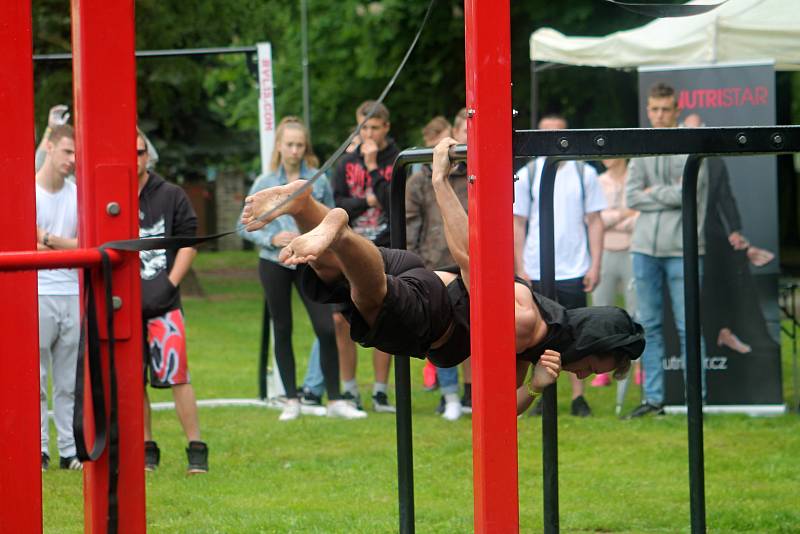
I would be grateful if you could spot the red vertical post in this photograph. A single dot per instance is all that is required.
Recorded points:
(104, 84)
(20, 477)
(494, 421)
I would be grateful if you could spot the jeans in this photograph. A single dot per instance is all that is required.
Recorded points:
(314, 380)
(448, 379)
(650, 273)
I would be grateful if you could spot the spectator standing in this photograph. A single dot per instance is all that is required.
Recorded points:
(293, 159)
(578, 201)
(616, 273)
(59, 308)
(165, 211)
(425, 237)
(654, 187)
(361, 187)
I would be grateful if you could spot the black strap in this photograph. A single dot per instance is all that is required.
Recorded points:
(106, 429)
(666, 10)
(89, 329)
(113, 416)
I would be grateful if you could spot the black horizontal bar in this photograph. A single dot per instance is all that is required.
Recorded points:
(164, 53)
(425, 155)
(637, 142)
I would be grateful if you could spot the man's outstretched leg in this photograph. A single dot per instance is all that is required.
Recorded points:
(359, 260)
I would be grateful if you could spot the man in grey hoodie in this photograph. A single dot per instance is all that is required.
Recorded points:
(654, 188)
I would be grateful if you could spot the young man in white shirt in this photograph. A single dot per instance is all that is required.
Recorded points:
(577, 203)
(59, 308)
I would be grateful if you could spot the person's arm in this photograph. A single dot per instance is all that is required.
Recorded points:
(48, 241)
(595, 230)
(545, 373)
(520, 223)
(57, 116)
(640, 194)
(521, 210)
(182, 264)
(454, 216)
(414, 207)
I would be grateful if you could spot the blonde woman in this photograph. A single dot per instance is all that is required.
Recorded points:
(293, 159)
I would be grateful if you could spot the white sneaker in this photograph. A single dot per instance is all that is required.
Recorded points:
(452, 410)
(291, 411)
(344, 410)
(319, 411)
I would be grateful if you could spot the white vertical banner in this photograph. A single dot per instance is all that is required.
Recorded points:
(266, 104)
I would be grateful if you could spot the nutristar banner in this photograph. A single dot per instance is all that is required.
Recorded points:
(740, 284)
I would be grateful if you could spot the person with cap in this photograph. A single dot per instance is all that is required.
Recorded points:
(388, 294)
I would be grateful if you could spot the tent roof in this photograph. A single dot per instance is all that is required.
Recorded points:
(738, 30)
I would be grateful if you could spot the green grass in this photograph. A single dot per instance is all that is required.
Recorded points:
(325, 476)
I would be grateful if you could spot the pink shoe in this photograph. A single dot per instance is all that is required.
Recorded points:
(601, 380)
(429, 376)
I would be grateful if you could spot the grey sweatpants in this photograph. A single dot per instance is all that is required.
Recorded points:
(59, 332)
(616, 276)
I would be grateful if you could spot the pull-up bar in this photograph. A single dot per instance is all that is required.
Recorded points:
(561, 145)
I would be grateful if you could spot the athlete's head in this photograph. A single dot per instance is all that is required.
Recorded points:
(605, 339)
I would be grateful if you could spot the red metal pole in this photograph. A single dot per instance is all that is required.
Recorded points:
(494, 422)
(20, 477)
(54, 259)
(104, 79)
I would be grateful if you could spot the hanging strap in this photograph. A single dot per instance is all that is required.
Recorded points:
(106, 429)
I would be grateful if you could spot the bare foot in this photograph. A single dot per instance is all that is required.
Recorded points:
(758, 256)
(728, 339)
(310, 246)
(268, 204)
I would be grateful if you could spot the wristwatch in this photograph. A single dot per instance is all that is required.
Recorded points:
(46, 239)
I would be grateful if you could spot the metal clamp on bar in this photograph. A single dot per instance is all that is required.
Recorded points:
(28, 260)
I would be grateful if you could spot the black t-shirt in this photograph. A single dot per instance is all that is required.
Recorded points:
(164, 211)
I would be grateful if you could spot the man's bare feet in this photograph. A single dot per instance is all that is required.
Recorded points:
(758, 256)
(310, 246)
(268, 204)
(728, 339)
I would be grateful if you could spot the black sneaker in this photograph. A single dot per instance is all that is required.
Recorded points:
(45, 461)
(440, 407)
(197, 452)
(152, 455)
(580, 407)
(355, 399)
(70, 462)
(380, 403)
(466, 404)
(308, 398)
(645, 409)
(536, 409)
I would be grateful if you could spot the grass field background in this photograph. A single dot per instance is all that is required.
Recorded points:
(316, 475)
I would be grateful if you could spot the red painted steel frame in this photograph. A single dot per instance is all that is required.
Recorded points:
(51, 259)
(104, 84)
(20, 477)
(494, 421)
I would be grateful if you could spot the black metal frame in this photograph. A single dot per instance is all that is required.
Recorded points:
(562, 145)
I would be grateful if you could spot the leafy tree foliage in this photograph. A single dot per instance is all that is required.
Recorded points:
(202, 112)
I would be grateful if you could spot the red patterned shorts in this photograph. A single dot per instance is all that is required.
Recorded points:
(165, 351)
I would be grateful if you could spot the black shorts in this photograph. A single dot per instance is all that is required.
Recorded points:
(415, 313)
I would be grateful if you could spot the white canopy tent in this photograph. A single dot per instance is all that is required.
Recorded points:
(736, 31)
